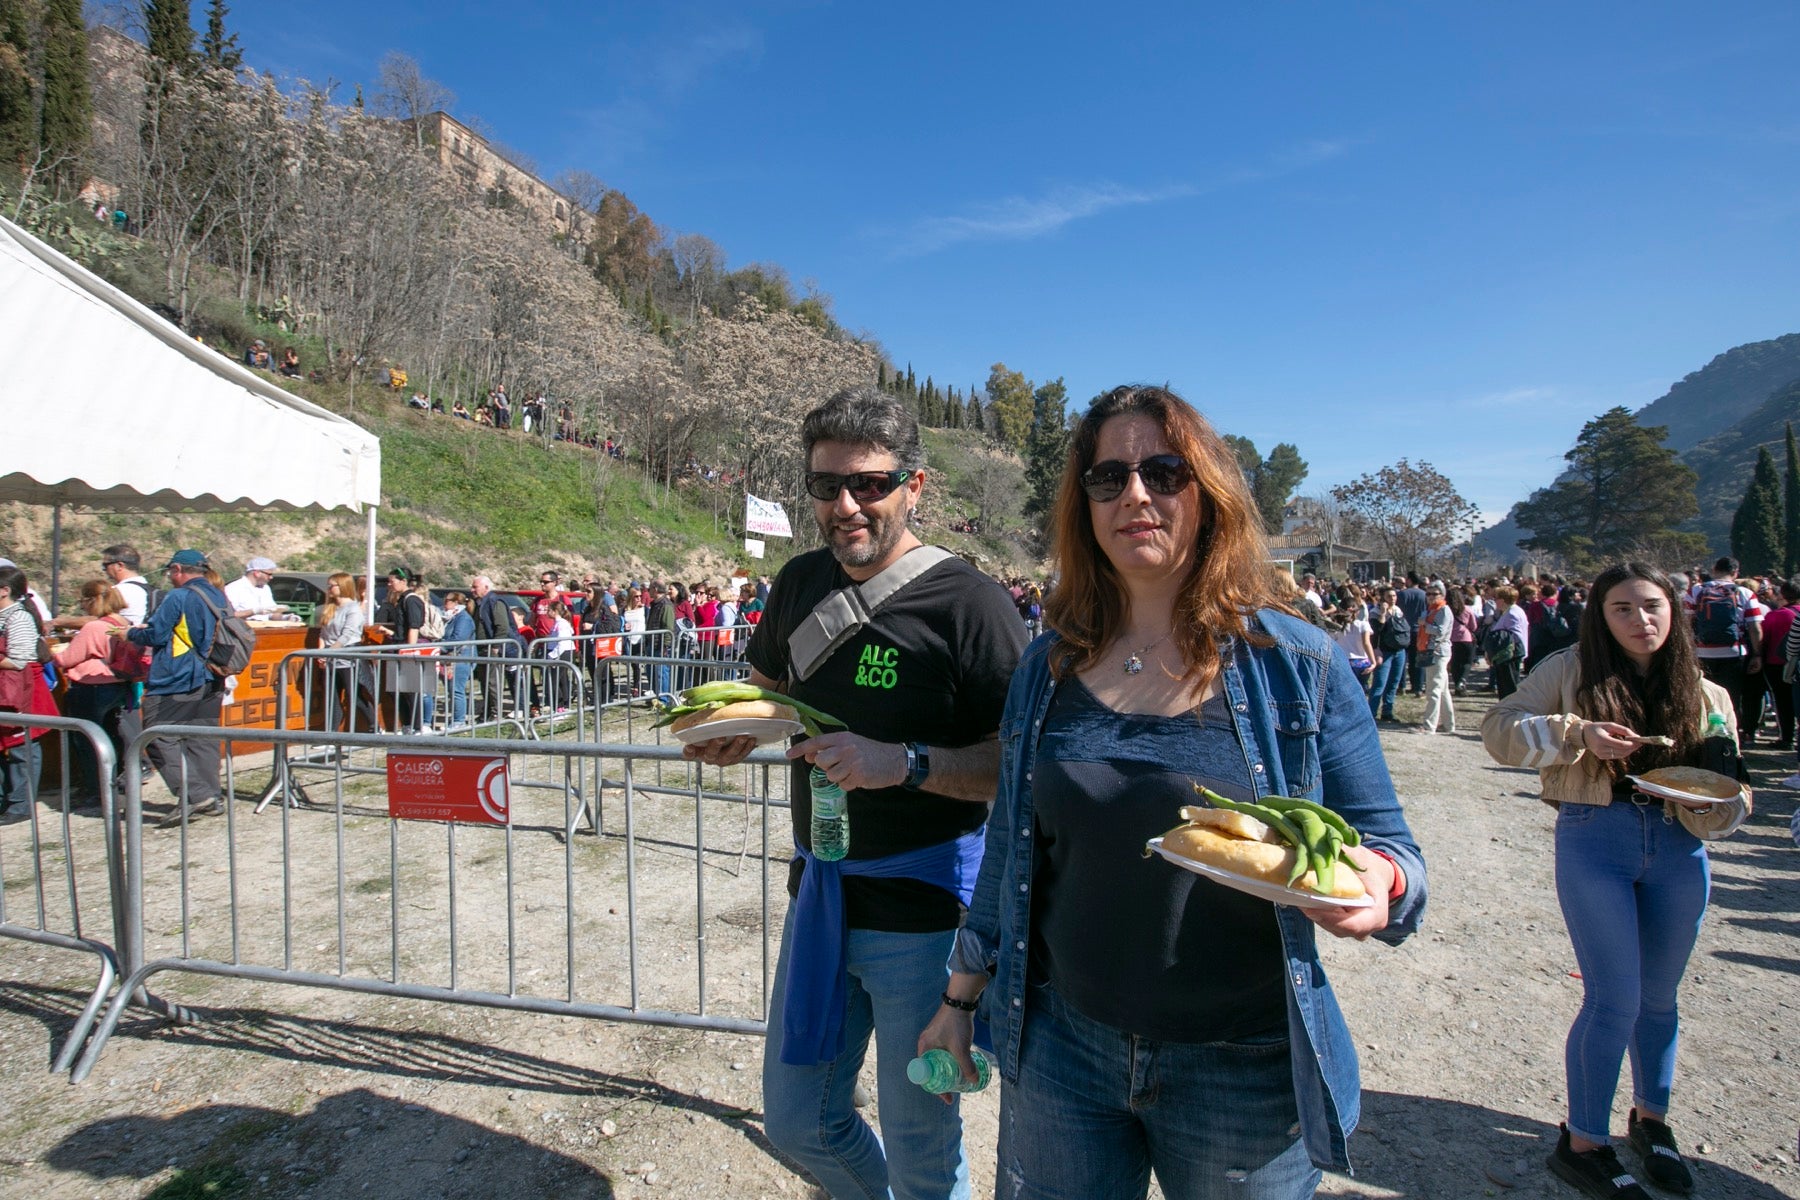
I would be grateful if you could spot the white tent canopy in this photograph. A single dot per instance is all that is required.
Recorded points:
(129, 413)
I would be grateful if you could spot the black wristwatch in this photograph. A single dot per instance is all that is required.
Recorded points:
(918, 765)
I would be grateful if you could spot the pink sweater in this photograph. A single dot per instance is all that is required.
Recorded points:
(84, 659)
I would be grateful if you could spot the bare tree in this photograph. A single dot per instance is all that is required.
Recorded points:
(403, 93)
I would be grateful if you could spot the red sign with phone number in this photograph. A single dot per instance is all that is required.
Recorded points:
(470, 789)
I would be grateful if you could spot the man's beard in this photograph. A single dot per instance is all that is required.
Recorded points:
(884, 534)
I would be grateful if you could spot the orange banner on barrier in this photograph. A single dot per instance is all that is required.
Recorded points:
(470, 789)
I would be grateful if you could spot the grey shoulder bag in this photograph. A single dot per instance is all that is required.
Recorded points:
(838, 617)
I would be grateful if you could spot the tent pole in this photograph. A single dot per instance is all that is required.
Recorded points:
(55, 555)
(369, 567)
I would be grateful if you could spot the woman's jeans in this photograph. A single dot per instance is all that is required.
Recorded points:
(1633, 885)
(1096, 1110)
(1385, 682)
(1461, 655)
(896, 981)
(101, 703)
(460, 672)
(19, 777)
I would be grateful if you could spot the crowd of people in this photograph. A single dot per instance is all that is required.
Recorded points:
(1010, 746)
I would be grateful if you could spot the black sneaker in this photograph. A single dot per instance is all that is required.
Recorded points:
(1662, 1161)
(1594, 1172)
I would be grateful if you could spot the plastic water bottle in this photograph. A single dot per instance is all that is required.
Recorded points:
(830, 818)
(936, 1071)
(1716, 727)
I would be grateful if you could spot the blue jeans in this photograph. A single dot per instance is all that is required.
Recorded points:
(19, 778)
(1633, 887)
(896, 980)
(1096, 1110)
(459, 691)
(1384, 683)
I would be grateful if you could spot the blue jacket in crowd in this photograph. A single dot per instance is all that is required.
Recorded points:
(1305, 729)
(180, 632)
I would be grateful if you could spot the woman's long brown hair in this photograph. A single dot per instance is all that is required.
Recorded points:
(346, 585)
(1664, 700)
(1229, 579)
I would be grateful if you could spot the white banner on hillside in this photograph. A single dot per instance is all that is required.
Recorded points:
(765, 517)
(754, 548)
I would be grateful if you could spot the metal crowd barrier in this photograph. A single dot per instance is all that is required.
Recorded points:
(55, 905)
(433, 675)
(516, 908)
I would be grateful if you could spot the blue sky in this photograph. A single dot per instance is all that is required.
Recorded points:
(1449, 232)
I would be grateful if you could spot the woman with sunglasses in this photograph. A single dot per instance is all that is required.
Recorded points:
(1632, 875)
(1148, 1020)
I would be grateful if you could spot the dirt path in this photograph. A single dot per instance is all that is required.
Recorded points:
(288, 1092)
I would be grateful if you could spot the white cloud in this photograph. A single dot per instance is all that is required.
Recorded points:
(1021, 218)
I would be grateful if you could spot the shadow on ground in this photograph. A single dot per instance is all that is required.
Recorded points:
(1403, 1141)
(350, 1144)
(428, 1152)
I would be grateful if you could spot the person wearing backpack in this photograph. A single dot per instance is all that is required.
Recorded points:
(1393, 634)
(1728, 641)
(181, 688)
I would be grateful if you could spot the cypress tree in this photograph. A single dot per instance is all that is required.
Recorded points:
(68, 105)
(881, 379)
(976, 420)
(171, 31)
(18, 116)
(1756, 530)
(1791, 565)
(220, 49)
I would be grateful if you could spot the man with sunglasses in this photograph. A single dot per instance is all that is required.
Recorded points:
(920, 687)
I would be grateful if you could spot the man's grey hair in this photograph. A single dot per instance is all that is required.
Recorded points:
(864, 415)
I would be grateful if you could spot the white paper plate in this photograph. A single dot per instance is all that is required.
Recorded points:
(763, 729)
(1297, 897)
(1664, 792)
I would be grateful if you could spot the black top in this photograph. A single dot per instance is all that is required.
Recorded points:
(932, 667)
(1140, 944)
(409, 615)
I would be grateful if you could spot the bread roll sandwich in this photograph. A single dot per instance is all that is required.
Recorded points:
(736, 710)
(1240, 844)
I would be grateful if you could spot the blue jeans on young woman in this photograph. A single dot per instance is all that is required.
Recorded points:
(1633, 886)
(896, 984)
(460, 672)
(1095, 1110)
(1384, 683)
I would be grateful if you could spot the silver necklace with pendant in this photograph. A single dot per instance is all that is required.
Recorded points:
(1135, 662)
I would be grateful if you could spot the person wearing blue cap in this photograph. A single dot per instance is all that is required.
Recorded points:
(181, 689)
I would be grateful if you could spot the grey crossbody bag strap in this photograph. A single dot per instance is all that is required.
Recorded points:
(838, 617)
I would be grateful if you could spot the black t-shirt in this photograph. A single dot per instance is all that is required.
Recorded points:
(1139, 944)
(409, 615)
(932, 666)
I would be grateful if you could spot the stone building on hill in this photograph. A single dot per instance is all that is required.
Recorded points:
(467, 155)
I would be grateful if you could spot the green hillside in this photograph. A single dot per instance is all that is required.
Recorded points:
(1724, 462)
(459, 498)
(1717, 418)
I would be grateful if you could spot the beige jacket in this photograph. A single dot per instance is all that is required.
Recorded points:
(1537, 727)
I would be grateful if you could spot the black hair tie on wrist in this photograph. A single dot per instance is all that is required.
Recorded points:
(962, 1005)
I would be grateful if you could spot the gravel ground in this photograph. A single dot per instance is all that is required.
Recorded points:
(289, 1092)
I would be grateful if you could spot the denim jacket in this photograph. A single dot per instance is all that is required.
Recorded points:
(1305, 729)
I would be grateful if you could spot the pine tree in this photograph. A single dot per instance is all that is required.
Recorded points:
(1756, 530)
(220, 49)
(18, 113)
(68, 105)
(1791, 565)
(1045, 447)
(171, 31)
